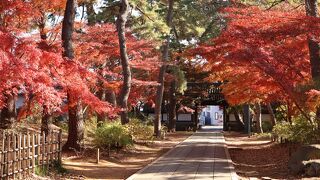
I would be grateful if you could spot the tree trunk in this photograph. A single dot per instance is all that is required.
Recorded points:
(75, 123)
(159, 96)
(238, 118)
(8, 112)
(257, 116)
(105, 95)
(195, 125)
(101, 94)
(272, 115)
(42, 24)
(172, 108)
(46, 120)
(311, 7)
(289, 113)
(160, 89)
(67, 29)
(101, 117)
(90, 13)
(111, 97)
(126, 71)
(247, 119)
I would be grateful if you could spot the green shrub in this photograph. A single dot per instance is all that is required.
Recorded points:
(112, 135)
(283, 130)
(263, 136)
(149, 120)
(139, 130)
(301, 130)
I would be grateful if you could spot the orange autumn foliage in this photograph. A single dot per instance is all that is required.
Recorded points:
(262, 54)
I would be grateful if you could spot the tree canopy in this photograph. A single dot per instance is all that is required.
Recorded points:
(109, 56)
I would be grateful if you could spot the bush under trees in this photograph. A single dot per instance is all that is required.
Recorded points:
(139, 130)
(299, 131)
(112, 135)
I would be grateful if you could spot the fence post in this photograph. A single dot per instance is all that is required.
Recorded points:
(33, 152)
(24, 163)
(51, 147)
(19, 155)
(56, 141)
(38, 148)
(43, 149)
(2, 156)
(8, 156)
(2, 169)
(98, 155)
(28, 152)
(14, 148)
(60, 146)
(48, 149)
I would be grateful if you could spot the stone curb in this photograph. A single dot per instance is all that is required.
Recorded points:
(234, 175)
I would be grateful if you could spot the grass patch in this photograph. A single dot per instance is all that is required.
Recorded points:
(41, 171)
(263, 136)
(55, 167)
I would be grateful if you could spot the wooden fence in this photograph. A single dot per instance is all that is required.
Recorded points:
(21, 154)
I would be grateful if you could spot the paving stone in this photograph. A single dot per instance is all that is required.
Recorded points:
(201, 156)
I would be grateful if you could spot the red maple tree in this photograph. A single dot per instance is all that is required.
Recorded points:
(263, 54)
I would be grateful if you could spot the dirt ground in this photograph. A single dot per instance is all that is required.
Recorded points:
(119, 165)
(259, 158)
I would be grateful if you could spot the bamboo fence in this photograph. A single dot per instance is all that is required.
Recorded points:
(22, 153)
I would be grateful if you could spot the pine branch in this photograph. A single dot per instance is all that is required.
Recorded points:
(275, 3)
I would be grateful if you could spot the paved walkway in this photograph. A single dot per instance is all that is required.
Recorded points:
(202, 156)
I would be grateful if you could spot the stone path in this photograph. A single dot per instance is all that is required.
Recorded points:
(202, 156)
